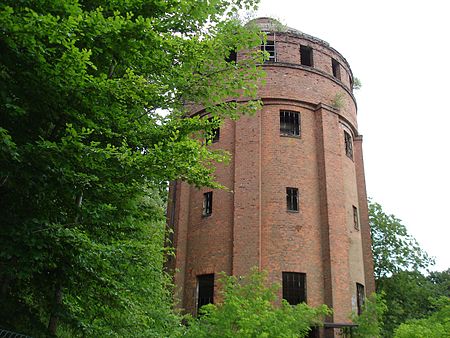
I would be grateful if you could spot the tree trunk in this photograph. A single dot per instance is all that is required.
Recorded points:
(53, 322)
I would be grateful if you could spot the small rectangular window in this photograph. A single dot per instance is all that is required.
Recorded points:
(215, 133)
(207, 203)
(336, 69)
(355, 218)
(292, 199)
(289, 123)
(306, 56)
(232, 57)
(360, 297)
(269, 47)
(205, 290)
(294, 287)
(348, 145)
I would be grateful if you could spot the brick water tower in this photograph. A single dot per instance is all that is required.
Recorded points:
(296, 203)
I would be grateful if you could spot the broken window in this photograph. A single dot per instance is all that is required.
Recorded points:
(355, 218)
(207, 203)
(289, 123)
(205, 290)
(292, 199)
(294, 287)
(306, 56)
(336, 69)
(360, 297)
(269, 47)
(348, 145)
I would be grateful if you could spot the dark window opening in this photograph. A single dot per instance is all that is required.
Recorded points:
(205, 290)
(294, 287)
(292, 199)
(214, 135)
(207, 203)
(355, 218)
(232, 57)
(313, 333)
(348, 145)
(306, 56)
(269, 47)
(336, 69)
(289, 123)
(360, 297)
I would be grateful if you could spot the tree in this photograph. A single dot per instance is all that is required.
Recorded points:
(248, 310)
(436, 325)
(85, 155)
(393, 248)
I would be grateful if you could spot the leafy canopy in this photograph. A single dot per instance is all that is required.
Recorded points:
(248, 309)
(85, 153)
(393, 248)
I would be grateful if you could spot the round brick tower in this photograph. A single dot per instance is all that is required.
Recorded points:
(296, 204)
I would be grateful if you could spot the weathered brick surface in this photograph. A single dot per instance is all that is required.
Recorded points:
(250, 225)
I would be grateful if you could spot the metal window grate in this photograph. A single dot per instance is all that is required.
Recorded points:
(205, 284)
(292, 199)
(294, 287)
(207, 203)
(348, 145)
(289, 123)
(269, 47)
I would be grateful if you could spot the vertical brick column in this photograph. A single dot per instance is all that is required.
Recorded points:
(335, 240)
(247, 195)
(179, 211)
(364, 216)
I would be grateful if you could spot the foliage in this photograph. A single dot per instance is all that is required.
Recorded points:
(357, 83)
(411, 295)
(370, 321)
(393, 248)
(84, 153)
(248, 310)
(338, 100)
(435, 326)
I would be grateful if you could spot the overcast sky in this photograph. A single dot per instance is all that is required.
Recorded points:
(400, 50)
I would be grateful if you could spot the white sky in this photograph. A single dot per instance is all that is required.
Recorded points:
(400, 50)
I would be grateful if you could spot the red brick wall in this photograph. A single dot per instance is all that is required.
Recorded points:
(250, 225)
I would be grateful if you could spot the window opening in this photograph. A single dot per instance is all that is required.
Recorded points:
(207, 203)
(269, 47)
(360, 297)
(232, 56)
(292, 199)
(306, 56)
(289, 123)
(214, 134)
(294, 287)
(336, 69)
(205, 290)
(355, 218)
(348, 145)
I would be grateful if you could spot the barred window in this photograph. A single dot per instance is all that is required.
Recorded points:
(269, 47)
(207, 203)
(292, 199)
(205, 290)
(294, 287)
(348, 145)
(289, 123)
